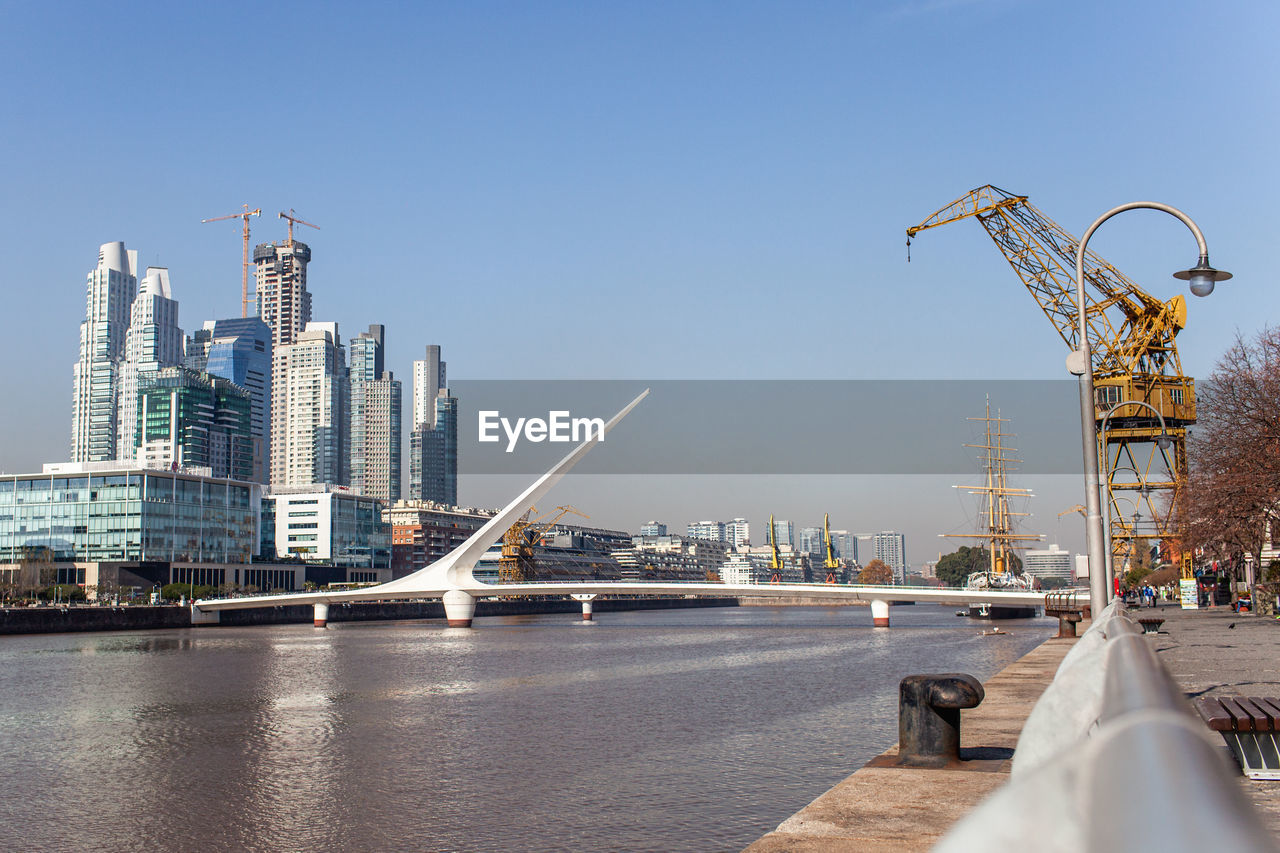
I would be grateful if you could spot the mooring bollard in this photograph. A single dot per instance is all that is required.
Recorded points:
(929, 717)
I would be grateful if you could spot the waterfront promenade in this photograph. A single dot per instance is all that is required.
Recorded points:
(885, 808)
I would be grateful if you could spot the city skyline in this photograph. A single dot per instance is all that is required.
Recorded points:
(729, 167)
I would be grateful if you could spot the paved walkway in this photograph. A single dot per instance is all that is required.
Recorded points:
(1216, 652)
(878, 808)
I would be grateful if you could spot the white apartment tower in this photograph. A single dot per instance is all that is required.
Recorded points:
(109, 294)
(428, 379)
(375, 418)
(891, 549)
(152, 342)
(309, 409)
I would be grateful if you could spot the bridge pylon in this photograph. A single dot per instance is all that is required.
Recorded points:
(880, 612)
(459, 608)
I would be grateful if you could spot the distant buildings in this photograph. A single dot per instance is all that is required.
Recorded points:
(375, 419)
(1051, 562)
(153, 341)
(738, 532)
(330, 524)
(109, 295)
(433, 443)
(280, 278)
(190, 419)
(309, 417)
(712, 531)
(239, 349)
(784, 534)
(653, 528)
(424, 531)
(891, 549)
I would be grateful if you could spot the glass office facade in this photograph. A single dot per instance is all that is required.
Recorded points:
(128, 515)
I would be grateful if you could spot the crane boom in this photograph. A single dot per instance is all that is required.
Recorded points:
(244, 266)
(294, 219)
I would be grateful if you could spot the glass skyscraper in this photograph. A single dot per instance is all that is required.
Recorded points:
(239, 349)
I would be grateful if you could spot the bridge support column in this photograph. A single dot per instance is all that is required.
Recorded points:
(321, 614)
(586, 599)
(880, 612)
(459, 608)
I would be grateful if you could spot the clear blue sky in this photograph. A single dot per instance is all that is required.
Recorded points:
(600, 190)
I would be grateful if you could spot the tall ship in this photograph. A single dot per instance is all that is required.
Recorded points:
(996, 522)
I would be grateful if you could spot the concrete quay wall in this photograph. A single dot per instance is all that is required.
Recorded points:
(56, 620)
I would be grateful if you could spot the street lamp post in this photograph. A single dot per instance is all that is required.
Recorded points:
(1162, 442)
(1202, 278)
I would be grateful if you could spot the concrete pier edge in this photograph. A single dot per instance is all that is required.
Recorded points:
(883, 808)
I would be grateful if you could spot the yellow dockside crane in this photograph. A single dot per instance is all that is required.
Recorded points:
(1132, 334)
(832, 565)
(516, 565)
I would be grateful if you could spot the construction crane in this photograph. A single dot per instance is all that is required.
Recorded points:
(294, 219)
(1077, 508)
(244, 275)
(1135, 355)
(516, 565)
(832, 565)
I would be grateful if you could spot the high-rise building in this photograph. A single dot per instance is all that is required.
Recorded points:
(239, 349)
(812, 541)
(109, 294)
(784, 533)
(428, 379)
(891, 549)
(191, 419)
(375, 418)
(309, 409)
(712, 531)
(738, 532)
(153, 341)
(845, 544)
(433, 443)
(280, 281)
(653, 528)
(433, 469)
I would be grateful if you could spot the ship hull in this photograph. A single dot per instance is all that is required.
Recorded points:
(992, 612)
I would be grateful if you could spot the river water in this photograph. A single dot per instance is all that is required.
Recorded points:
(648, 731)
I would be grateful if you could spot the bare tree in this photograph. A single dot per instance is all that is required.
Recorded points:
(1232, 493)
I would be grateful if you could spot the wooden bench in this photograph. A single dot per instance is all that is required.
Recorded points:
(1251, 727)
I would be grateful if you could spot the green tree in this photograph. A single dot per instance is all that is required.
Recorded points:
(954, 568)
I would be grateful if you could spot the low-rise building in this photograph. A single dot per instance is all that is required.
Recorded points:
(424, 531)
(324, 523)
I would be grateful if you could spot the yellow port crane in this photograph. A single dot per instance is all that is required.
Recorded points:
(516, 565)
(775, 558)
(1135, 355)
(831, 564)
(244, 273)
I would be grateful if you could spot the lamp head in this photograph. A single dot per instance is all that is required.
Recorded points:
(1163, 441)
(1202, 277)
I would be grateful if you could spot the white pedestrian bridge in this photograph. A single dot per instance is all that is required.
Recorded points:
(452, 577)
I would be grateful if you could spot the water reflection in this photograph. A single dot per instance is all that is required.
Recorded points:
(694, 730)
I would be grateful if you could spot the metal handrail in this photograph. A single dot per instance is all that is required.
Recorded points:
(1113, 761)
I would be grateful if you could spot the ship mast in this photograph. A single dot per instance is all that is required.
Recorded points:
(999, 535)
